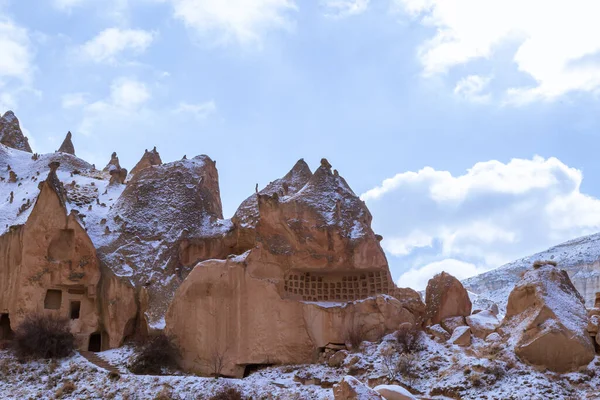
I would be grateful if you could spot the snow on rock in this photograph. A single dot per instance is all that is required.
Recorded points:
(351, 388)
(483, 323)
(11, 134)
(394, 392)
(446, 297)
(579, 257)
(547, 321)
(461, 336)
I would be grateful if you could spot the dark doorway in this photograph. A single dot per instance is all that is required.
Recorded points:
(95, 342)
(75, 308)
(5, 332)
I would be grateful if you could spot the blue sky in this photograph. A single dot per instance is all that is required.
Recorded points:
(482, 116)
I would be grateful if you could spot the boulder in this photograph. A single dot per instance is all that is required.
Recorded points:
(412, 301)
(481, 304)
(337, 359)
(149, 159)
(67, 145)
(11, 134)
(446, 297)
(493, 337)
(547, 319)
(452, 323)
(439, 332)
(483, 323)
(351, 388)
(394, 392)
(461, 336)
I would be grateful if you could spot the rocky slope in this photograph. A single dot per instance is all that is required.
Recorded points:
(579, 257)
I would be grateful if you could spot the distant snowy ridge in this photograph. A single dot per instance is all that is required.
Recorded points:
(579, 257)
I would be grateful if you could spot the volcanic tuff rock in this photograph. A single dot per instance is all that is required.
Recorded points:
(166, 218)
(446, 297)
(67, 145)
(149, 159)
(315, 274)
(113, 163)
(547, 319)
(50, 263)
(246, 217)
(11, 134)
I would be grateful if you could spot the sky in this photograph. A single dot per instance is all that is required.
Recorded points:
(471, 128)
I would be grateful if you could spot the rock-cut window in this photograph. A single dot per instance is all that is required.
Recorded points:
(75, 309)
(53, 299)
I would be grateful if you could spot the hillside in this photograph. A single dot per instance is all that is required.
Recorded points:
(579, 257)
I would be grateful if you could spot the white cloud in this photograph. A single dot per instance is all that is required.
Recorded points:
(556, 42)
(494, 213)
(15, 49)
(344, 8)
(127, 101)
(472, 88)
(242, 21)
(113, 42)
(73, 100)
(200, 110)
(417, 278)
(401, 246)
(16, 63)
(129, 93)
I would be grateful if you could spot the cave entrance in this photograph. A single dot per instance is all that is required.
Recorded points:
(95, 344)
(251, 368)
(6, 332)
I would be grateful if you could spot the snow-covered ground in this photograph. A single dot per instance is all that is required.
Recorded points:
(481, 371)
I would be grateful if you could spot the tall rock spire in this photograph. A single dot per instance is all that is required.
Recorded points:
(11, 134)
(67, 145)
(149, 159)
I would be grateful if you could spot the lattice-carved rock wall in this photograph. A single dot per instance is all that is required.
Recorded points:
(349, 286)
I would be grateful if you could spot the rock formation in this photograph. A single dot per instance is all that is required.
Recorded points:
(315, 275)
(166, 220)
(149, 159)
(113, 163)
(67, 145)
(246, 217)
(446, 297)
(483, 323)
(49, 264)
(351, 388)
(11, 134)
(547, 319)
(118, 176)
(394, 392)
